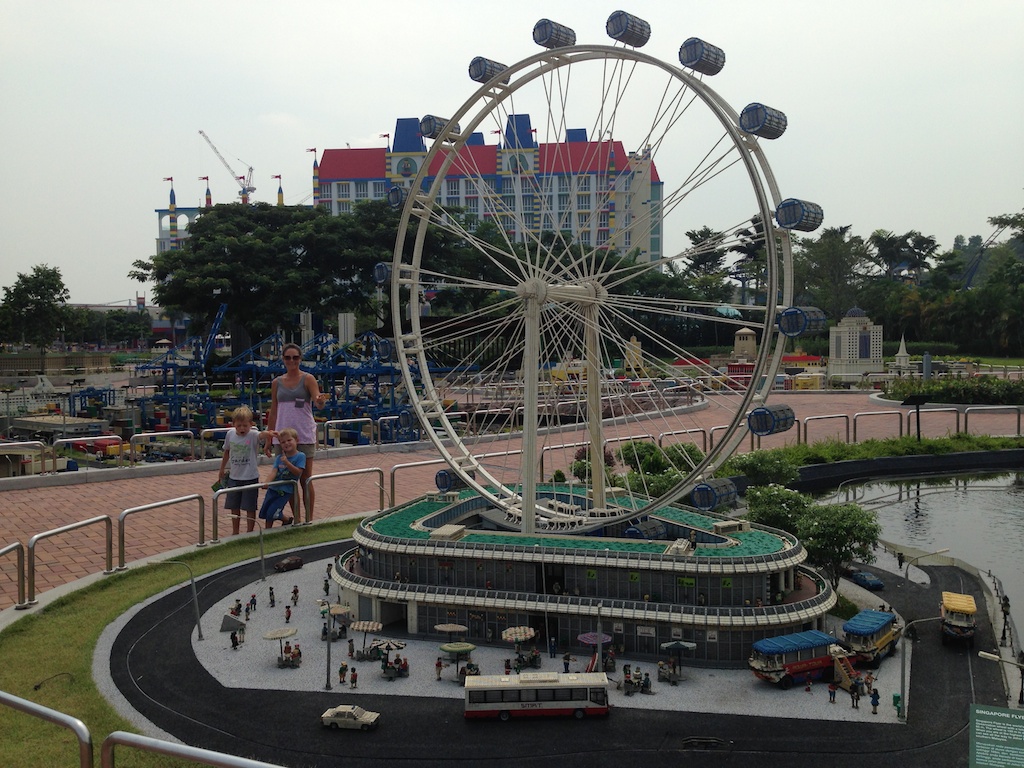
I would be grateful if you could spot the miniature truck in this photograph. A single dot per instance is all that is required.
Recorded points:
(958, 622)
(872, 635)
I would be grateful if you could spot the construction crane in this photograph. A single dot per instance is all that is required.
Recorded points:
(245, 182)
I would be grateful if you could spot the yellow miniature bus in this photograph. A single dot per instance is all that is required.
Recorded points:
(958, 622)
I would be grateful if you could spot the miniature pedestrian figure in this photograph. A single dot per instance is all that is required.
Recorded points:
(552, 647)
(869, 682)
(246, 612)
(241, 634)
(237, 610)
(297, 653)
(327, 587)
(899, 559)
(854, 697)
(832, 693)
(234, 641)
(565, 661)
(342, 672)
(287, 614)
(438, 666)
(351, 648)
(273, 600)
(354, 677)
(252, 603)
(287, 649)
(295, 595)
(807, 687)
(875, 698)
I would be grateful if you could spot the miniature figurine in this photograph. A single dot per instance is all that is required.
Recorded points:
(342, 672)
(287, 614)
(237, 610)
(295, 595)
(234, 641)
(354, 677)
(351, 648)
(273, 600)
(438, 666)
(241, 634)
(252, 603)
(247, 612)
(327, 587)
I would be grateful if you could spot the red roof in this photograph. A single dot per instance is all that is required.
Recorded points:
(345, 164)
(801, 358)
(477, 159)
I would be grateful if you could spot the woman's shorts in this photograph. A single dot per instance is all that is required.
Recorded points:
(241, 499)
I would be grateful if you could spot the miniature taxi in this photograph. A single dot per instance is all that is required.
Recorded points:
(350, 716)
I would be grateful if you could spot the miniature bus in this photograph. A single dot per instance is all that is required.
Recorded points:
(958, 622)
(536, 694)
(795, 658)
(872, 635)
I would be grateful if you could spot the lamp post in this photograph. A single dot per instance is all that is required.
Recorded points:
(911, 561)
(901, 712)
(1019, 664)
(195, 597)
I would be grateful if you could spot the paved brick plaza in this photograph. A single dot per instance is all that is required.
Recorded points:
(65, 558)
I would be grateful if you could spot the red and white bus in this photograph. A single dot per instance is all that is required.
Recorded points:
(536, 694)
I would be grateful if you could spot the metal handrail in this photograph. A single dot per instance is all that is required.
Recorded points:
(91, 439)
(380, 432)
(214, 538)
(156, 505)
(136, 439)
(897, 414)
(73, 724)
(844, 416)
(711, 434)
(990, 408)
(20, 549)
(344, 473)
(932, 410)
(171, 749)
(31, 570)
(703, 433)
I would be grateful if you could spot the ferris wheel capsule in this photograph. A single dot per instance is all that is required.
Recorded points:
(701, 57)
(801, 321)
(550, 34)
(397, 196)
(431, 126)
(770, 419)
(628, 29)
(713, 493)
(766, 122)
(799, 214)
(484, 70)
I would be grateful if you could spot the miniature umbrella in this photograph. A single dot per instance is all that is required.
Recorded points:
(387, 646)
(458, 650)
(450, 629)
(678, 646)
(280, 634)
(366, 627)
(518, 635)
(594, 638)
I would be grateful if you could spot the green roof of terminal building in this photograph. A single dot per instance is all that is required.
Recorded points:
(400, 522)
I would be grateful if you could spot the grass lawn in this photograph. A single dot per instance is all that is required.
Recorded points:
(59, 642)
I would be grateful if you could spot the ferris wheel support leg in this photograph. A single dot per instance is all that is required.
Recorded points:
(594, 410)
(531, 364)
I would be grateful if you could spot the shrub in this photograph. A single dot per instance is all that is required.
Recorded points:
(763, 467)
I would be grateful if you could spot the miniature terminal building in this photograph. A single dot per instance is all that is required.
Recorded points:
(675, 573)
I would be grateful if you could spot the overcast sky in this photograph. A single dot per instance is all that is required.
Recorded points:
(903, 114)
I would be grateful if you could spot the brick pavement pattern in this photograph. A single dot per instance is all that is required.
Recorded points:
(67, 557)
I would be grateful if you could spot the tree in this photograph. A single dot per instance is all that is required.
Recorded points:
(835, 534)
(831, 269)
(269, 263)
(777, 506)
(33, 308)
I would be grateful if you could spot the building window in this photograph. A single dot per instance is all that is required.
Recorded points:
(452, 202)
(583, 183)
(563, 183)
(602, 220)
(344, 207)
(602, 183)
(361, 190)
(453, 187)
(582, 221)
(473, 204)
(380, 190)
(583, 202)
(585, 237)
(344, 190)
(325, 191)
(563, 203)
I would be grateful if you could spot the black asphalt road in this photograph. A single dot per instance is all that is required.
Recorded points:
(153, 665)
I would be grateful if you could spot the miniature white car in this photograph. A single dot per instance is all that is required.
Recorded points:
(350, 716)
